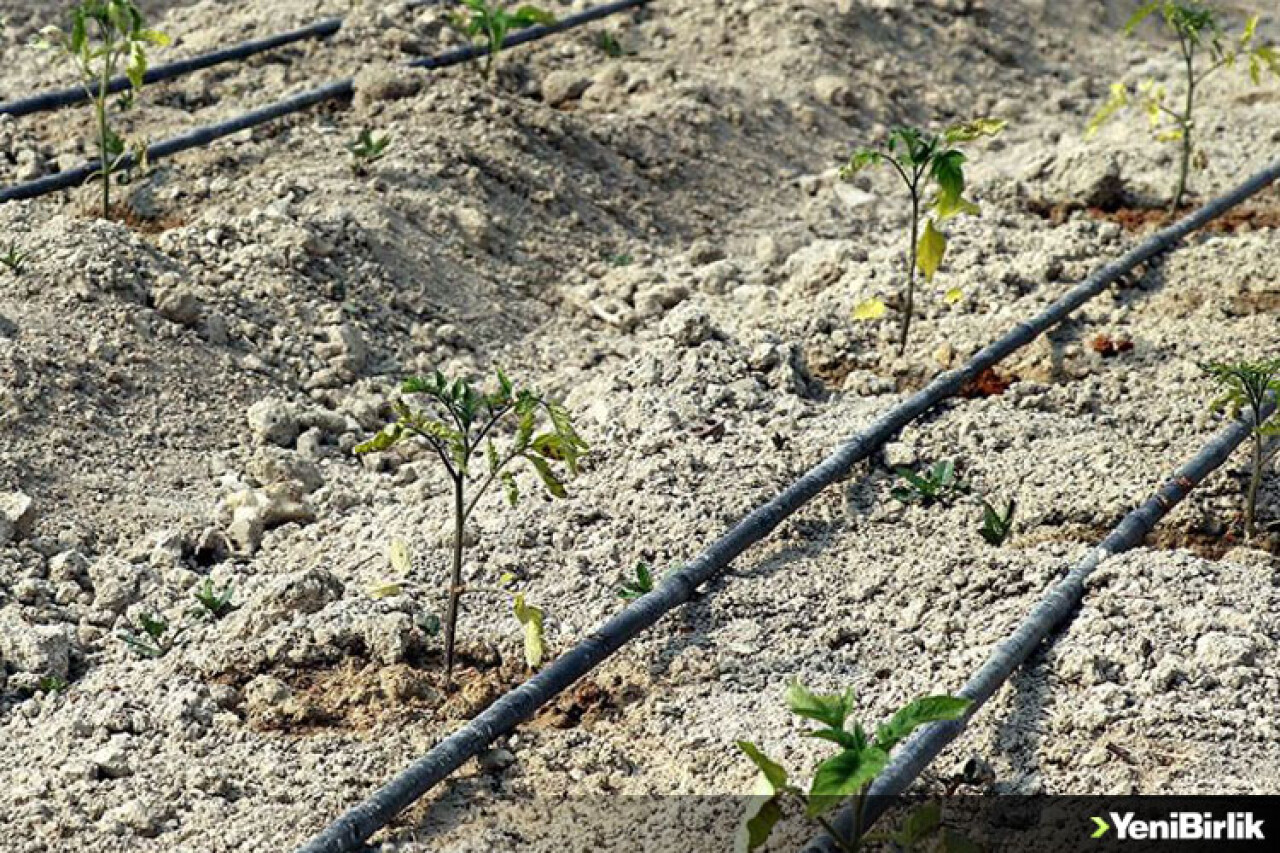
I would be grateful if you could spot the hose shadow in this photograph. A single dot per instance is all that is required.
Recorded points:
(1020, 734)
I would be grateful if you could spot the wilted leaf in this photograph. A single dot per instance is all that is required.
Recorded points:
(531, 618)
(399, 556)
(384, 589)
(869, 309)
(931, 250)
(953, 296)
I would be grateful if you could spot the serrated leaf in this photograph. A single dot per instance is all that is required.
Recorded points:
(863, 158)
(843, 776)
(974, 129)
(869, 309)
(931, 250)
(1141, 14)
(531, 618)
(386, 438)
(772, 772)
(548, 477)
(831, 709)
(915, 714)
(509, 488)
(762, 815)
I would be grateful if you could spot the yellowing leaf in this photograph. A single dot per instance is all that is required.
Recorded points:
(870, 309)
(531, 618)
(952, 296)
(1118, 100)
(930, 251)
(384, 589)
(398, 555)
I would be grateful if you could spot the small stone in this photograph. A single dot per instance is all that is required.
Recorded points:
(385, 83)
(69, 566)
(17, 514)
(559, 87)
(273, 421)
(115, 583)
(495, 760)
(112, 761)
(179, 306)
(835, 91)
(688, 326)
(42, 650)
(271, 465)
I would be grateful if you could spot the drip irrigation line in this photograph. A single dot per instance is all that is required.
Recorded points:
(328, 92)
(359, 823)
(72, 95)
(55, 99)
(1050, 616)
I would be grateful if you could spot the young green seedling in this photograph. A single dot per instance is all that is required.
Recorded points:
(52, 684)
(936, 483)
(1205, 48)
(845, 776)
(642, 585)
(488, 23)
(1251, 386)
(210, 603)
(460, 424)
(14, 259)
(609, 44)
(922, 160)
(148, 640)
(368, 149)
(104, 36)
(996, 525)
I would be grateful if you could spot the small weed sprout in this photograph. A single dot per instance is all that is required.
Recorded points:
(212, 604)
(488, 24)
(52, 684)
(1250, 386)
(936, 483)
(461, 424)
(844, 776)
(1205, 48)
(369, 148)
(104, 36)
(609, 44)
(642, 585)
(996, 525)
(14, 259)
(922, 159)
(148, 639)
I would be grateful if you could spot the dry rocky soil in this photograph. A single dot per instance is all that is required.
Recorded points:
(658, 239)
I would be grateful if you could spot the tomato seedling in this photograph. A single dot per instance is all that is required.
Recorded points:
(935, 483)
(1205, 48)
(368, 148)
(459, 424)
(845, 776)
(922, 160)
(1250, 386)
(105, 35)
(212, 604)
(488, 24)
(14, 259)
(996, 525)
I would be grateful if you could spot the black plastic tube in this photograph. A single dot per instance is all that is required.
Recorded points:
(330, 91)
(77, 95)
(354, 827)
(1048, 618)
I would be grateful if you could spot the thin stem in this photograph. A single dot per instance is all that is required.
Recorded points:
(909, 306)
(455, 575)
(1255, 482)
(836, 836)
(1184, 165)
(104, 83)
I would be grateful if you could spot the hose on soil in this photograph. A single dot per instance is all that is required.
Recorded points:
(359, 823)
(58, 98)
(1048, 618)
(335, 90)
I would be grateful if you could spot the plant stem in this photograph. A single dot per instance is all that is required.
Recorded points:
(455, 576)
(1184, 165)
(837, 837)
(104, 83)
(1255, 482)
(909, 306)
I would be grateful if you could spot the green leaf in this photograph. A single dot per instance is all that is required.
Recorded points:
(974, 129)
(531, 618)
(762, 815)
(386, 438)
(772, 772)
(843, 776)
(863, 158)
(830, 709)
(915, 714)
(919, 825)
(529, 15)
(509, 488)
(932, 248)
(1143, 12)
(846, 740)
(548, 477)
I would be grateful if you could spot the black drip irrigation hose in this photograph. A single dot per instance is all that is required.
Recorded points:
(70, 96)
(1049, 617)
(330, 91)
(358, 824)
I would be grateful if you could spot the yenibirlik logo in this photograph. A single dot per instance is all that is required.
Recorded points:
(1182, 826)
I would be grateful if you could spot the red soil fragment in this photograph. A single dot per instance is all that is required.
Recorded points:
(988, 383)
(1109, 347)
